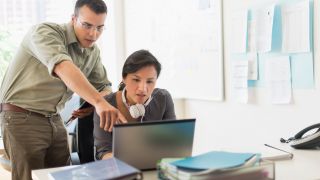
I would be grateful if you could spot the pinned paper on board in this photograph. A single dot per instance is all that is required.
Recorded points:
(252, 66)
(252, 36)
(239, 31)
(263, 19)
(278, 79)
(206, 4)
(240, 80)
(296, 24)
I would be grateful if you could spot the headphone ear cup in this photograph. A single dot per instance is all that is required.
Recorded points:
(137, 110)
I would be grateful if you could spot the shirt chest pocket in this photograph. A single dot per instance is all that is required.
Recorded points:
(82, 60)
(84, 65)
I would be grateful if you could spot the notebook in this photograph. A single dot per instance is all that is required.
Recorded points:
(215, 160)
(142, 145)
(105, 169)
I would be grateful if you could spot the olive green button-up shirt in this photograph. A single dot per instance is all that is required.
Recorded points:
(29, 81)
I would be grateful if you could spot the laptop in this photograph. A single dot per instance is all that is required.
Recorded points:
(142, 145)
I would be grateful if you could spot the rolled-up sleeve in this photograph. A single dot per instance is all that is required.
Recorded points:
(47, 44)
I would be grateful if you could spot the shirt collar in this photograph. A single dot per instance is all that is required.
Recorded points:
(71, 35)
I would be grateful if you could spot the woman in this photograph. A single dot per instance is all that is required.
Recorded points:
(137, 98)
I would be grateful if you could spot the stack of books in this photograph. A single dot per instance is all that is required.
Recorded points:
(216, 165)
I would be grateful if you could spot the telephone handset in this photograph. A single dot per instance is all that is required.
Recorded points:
(305, 142)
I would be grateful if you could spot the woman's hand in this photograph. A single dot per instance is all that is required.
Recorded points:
(80, 113)
(107, 156)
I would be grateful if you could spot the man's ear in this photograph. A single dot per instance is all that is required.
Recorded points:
(73, 18)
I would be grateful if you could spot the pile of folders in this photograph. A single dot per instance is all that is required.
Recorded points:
(217, 165)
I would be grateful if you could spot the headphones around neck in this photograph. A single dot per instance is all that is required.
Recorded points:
(135, 110)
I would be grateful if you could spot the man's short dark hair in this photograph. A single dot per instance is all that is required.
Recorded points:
(97, 6)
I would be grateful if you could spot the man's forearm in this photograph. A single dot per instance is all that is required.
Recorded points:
(105, 92)
(77, 82)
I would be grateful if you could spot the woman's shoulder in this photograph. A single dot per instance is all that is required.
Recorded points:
(157, 92)
(111, 98)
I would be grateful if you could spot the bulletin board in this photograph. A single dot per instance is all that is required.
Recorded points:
(302, 65)
(186, 37)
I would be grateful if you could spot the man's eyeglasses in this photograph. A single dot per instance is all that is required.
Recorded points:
(89, 27)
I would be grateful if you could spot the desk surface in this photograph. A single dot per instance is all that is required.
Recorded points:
(304, 165)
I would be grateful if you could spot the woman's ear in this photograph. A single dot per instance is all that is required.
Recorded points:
(123, 83)
(121, 86)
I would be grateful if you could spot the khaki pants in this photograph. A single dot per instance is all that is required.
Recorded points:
(33, 142)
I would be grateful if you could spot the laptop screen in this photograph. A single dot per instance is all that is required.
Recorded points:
(142, 145)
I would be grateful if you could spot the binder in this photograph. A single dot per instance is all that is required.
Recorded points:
(99, 170)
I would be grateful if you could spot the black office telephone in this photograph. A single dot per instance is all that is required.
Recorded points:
(309, 141)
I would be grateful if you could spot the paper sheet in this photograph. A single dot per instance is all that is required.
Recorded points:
(296, 27)
(240, 80)
(278, 79)
(252, 66)
(252, 40)
(239, 31)
(264, 22)
(302, 71)
(206, 4)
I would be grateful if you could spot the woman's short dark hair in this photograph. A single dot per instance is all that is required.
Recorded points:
(97, 6)
(138, 60)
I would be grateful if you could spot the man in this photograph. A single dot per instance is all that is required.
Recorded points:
(52, 62)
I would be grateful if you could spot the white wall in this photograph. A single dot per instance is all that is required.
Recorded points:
(224, 124)
(228, 124)
(111, 42)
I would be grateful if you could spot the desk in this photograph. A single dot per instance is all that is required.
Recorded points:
(304, 165)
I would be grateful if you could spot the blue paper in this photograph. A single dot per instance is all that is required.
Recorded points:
(276, 44)
(302, 71)
(214, 160)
